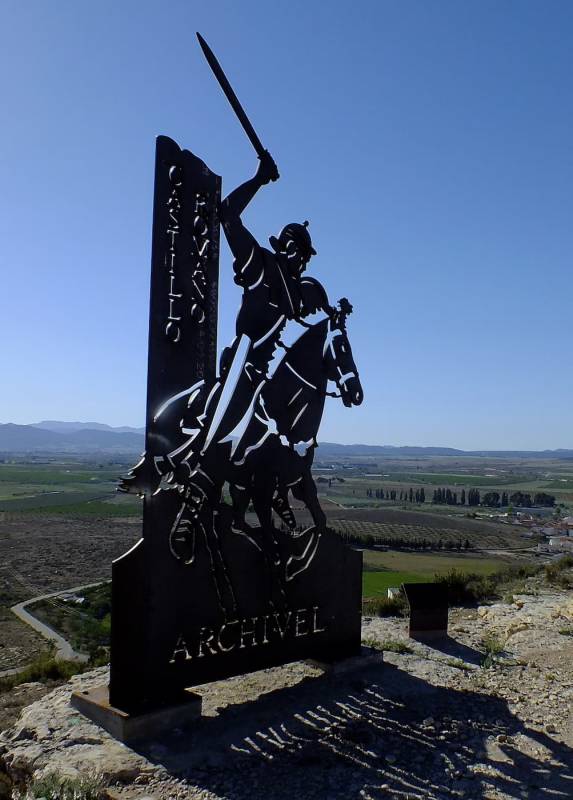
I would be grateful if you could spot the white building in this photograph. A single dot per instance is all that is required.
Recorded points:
(562, 544)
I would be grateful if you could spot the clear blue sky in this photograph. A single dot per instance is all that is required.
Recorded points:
(429, 144)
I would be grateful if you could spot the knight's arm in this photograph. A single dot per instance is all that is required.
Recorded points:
(242, 243)
(235, 203)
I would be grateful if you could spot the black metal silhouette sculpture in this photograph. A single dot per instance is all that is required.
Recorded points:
(210, 590)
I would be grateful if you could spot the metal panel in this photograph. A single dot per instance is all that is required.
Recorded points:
(211, 591)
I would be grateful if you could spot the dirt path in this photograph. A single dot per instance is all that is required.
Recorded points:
(64, 649)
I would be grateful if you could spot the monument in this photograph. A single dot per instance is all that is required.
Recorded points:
(225, 580)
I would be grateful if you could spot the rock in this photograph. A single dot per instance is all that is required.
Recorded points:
(26, 687)
(21, 733)
(52, 737)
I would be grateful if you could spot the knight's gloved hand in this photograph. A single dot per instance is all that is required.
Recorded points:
(267, 170)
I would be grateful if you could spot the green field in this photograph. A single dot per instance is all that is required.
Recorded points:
(55, 474)
(459, 479)
(391, 568)
(65, 488)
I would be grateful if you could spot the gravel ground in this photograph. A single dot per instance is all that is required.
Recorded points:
(428, 723)
(19, 644)
(44, 554)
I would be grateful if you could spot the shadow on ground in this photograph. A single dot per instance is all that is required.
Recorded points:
(374, 733)
(455, 649)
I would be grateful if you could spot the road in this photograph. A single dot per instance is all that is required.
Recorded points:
(64, 650)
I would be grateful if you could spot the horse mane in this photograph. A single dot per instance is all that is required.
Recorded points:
(298, 353)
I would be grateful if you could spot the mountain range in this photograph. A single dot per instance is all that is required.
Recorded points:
(69, 427)
(54, 436)
(69, 437)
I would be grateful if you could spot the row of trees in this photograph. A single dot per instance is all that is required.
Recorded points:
(449, 498)
(417, 496)
(518, 499)
(471, 498)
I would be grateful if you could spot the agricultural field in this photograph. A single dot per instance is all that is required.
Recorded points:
(430, 529)
(62, 523)
(351, 479)
(420, 523)
(66, 487)
(88, 488)
(382, 570)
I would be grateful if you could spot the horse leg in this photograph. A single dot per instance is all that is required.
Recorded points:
(281, 505)
(308, 489)
(210, 523)
(305, 490)
(240, 498)
(263, 490)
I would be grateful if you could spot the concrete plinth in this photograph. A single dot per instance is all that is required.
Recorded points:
(366, 658)
(94, 704)
(428, 636)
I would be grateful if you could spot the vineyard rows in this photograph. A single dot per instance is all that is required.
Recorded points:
(477, 540)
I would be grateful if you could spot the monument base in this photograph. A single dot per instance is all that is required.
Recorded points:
(125, 727)
(429, 635)
(366, 658)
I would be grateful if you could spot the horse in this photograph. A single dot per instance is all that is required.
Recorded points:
(286, 418)
(264, 463)
(270, 457)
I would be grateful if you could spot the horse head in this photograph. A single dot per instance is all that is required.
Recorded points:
(338, 358)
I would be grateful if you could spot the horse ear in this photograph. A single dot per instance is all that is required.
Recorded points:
(345, 306)
(343, 310)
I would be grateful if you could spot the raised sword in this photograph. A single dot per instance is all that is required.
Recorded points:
(231, 97)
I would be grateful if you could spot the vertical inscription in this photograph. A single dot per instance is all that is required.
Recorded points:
(200, 255)
(172, 329)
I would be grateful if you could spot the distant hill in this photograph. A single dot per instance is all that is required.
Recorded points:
(327, 449)
(32, 439)
(385, 450)
(68, 427)
(53, 436)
